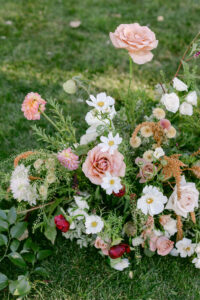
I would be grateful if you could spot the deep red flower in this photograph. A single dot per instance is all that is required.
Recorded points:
(61, 223)
(118, 250)
(121, 193)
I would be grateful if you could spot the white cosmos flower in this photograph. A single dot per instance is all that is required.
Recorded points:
(171, 102)
(110, 143)
(121, 265)
(94, 118)
(185, 247)
(82, 204)
(91, 135)
(152, 202)
(186, 109)
(159, 152)
(101, 102)
(192, 98)
(93, 224)
(179, 85)
(196, 261)
(111, 184)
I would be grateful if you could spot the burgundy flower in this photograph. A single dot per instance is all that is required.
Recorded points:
(61, 223)
(118, 250)
(121, 193)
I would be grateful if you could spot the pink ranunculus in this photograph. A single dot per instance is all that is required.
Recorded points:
(98, 163)
(68, 159)
(164, 245)
(147, 170)
(165, 124)
(138, 40)
(32, 106)
(100, 244)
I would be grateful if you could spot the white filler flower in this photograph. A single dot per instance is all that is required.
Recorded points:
(192, 98)
(171, 102)
(185, 247)
(110, 143)
(93, 224)
(101, 102)
(82, 204)
(179, 85)
(152, 202)
(121, 265)
(111, 184)
(158, 152)
(186, 109)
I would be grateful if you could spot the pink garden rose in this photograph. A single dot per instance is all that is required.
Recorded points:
(138, 40)
(32, 106)
(98, 163)
(147, 170)
(100, 244)
(164, 245)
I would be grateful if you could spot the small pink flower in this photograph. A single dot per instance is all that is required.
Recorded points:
(68, 159)
(153, 242)
(164, 245)
(100, 244)
(33, 105)
(165, 124)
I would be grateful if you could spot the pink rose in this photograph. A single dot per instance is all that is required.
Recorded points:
(100, 244)
(98, 163)
(165, 124)
(147, 170)
(138, 40)
(164, 245)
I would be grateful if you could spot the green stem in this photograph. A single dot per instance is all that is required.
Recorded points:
(130, 73)
(48, 119)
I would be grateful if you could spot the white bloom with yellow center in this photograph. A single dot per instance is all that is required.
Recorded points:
(110, 143)
(159, 113)
(146, 131)
(152, 202)
(148, 155)
(111, 184)
(179, 85)
(192, 98)
(94, 224)
(185, 247)
(101, 102)
(159, 152)
(135, 142)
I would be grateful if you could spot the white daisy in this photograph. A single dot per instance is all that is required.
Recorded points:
(82, 204)
(152, 202)
(111, 184)
(93, 224)
(110, 143)
(122, 264)
(101, 102)
(185, 247)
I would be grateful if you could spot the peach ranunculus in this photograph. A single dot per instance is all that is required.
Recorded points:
(33, 105)
(164, 246)
(138, 40)
(100, 244)
(98, 163)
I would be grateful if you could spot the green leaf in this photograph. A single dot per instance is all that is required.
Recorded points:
(3, 281)
(17, 259)
(20, 287)
(3, 240)
(29, 257)
(18, 229)
(41, 271)
(42, 254)
(12, 215)
(30, 245)
(50, 231)
(3, 225)
(14, 245)
(3, 215)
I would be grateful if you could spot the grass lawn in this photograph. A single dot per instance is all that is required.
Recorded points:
(39, 51)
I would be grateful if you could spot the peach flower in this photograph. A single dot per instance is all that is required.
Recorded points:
(98, 163)
(164, 245)
(32, 105)
(138, 40)
(100, 244)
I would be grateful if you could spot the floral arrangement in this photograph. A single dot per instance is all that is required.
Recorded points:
(130, 186)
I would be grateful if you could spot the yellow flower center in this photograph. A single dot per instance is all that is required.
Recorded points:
(67, 155)
(100, 103)
(187, 249)
(94, 224)
(111, 143)
(112, 181)
(149, 200)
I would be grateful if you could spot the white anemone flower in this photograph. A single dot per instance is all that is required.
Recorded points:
(101, 102)
(111, 184)
(94, 224)
(121, 265)
(82, 204)
(179, 85)
(152, 202)
(110, 143)
(192, 98)
(159, 152)
(185, 247)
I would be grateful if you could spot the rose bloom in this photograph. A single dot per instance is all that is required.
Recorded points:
(61, 223)
(32, 106)
(100, 244)
(187, 202)
(164, 245)
(138, 40)
(159, 113)
(135, 142)
(146, 131)
(98, 163)
(165, 124)
(147, 170)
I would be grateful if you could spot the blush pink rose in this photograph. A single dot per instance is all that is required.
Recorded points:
(165, 124)
(138, 40)
(98, 163)
(164, 245)
(100, 244)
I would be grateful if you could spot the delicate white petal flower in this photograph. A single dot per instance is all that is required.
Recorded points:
(137, 241)
(158, 152)
(179, 85)
(111, 184)
(91, 135)
(121, 265)
(192, 98)
(19, 187)
(93, 117)
(152, 202)
(93, 224)
(110, 143)
(82, 204)
(185, 247)
(101, 102)
(186, 109)
(21, 172)
(196, 261)
(171, 102)
(77, 212)
(174, 252)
